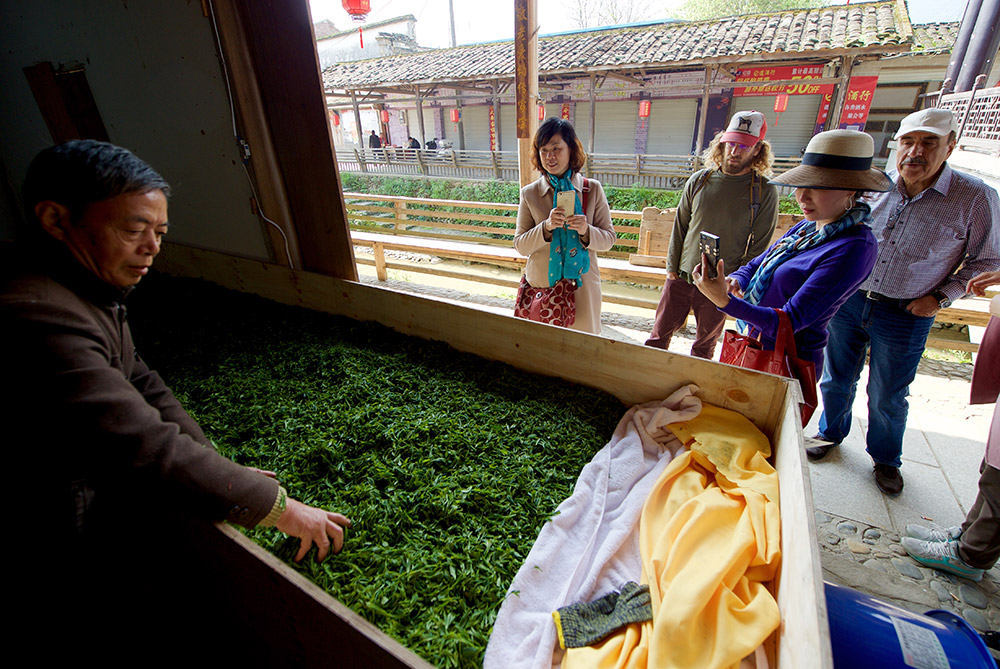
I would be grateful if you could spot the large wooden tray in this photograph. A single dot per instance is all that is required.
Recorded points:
(315, 624)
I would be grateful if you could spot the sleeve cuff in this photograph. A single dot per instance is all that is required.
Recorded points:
(280, 502)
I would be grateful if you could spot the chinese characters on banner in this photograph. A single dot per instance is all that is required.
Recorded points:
(493, 128)
(761, 75)
(824, 111)
(564, 113)
(522, 103)
(858, 102)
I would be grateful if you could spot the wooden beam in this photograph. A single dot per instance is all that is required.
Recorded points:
(526, 77)
(279, 39)
(703, 116)
(263, 164)
(833, 120)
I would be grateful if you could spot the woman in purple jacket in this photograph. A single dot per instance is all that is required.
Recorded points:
(816, 265)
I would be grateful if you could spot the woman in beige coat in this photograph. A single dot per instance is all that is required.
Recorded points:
(558, 155)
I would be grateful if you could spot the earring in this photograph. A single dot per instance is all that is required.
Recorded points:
(847, 207)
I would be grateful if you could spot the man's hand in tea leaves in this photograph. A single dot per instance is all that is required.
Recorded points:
(313, 525)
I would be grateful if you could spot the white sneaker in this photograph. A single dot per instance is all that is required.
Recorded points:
(933, 534)
(941, 555)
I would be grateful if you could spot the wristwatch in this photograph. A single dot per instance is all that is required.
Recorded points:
(943, 301)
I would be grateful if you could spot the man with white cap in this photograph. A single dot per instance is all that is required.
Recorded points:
(732, 200)
(936, 231)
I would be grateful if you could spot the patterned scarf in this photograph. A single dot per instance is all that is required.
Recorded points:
(567, 257)
(806, 237)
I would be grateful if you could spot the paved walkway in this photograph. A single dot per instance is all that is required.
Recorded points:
(858, 527)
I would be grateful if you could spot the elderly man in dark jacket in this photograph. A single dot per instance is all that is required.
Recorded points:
(97, 440)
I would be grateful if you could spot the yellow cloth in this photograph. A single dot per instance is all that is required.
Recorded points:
(709, 537)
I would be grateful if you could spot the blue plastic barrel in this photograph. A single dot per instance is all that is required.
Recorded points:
(867, 632)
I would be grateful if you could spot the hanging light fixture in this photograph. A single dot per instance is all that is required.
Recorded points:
(644, 107)
(335, 117)
(385, 116)
(456, 116)
(780, 102)
(541, 112)
(358, 9)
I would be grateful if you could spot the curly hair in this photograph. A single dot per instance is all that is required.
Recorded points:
(546, 131)
(713, 156)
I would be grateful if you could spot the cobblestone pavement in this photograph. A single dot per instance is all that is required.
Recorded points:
(871, 560)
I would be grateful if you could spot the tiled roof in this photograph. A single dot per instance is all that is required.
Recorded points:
(805, 32)
(934, 37)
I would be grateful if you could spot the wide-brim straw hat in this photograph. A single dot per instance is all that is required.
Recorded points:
(837, 159)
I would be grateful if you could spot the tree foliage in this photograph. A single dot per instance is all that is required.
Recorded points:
(598, 13)
(701, 10)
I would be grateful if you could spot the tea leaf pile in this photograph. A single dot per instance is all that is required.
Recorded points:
(447, 463)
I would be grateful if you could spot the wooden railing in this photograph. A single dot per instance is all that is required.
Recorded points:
(483, 232)
(461, 220)
(648, 171)
(980, 121)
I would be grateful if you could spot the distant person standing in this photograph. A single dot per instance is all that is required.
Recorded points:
(433, 144)
(937, 229)
(731, 199)
(373, 141)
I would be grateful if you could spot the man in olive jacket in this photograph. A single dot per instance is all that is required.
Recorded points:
(96, 441)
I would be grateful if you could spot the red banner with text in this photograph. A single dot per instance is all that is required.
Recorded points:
(858, 102)
(761, 75)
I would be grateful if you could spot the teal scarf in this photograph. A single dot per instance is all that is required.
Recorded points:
(806, 237)
(567, 257)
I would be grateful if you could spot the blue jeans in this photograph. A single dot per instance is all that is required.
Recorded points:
(896, 340)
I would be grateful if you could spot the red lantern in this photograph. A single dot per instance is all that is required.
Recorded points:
(335, 117)
(780, 102)
(358, 9)
(385, 116)
(456, 116)
(541, 112)
(644, 107)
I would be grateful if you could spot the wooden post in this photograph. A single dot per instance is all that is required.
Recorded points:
(526, 84)
(357, 120)
(461, 122)
(496, 116)
(833, 121)
(703, 116)
(361, 160)
(379, 249)
(400, 214)
(593, 112)
(420, 118)
(496, 166)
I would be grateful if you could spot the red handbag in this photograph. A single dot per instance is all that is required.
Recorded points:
(745, 351)
(555, 305)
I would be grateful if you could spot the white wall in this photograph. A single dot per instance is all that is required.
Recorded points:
(155, 76)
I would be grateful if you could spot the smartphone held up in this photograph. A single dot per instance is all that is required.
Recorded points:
(709, 246)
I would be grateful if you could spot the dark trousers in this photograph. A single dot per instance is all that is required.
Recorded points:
(979, 544)
(678, 299)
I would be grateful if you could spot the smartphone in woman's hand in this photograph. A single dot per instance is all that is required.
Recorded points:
(709, 245)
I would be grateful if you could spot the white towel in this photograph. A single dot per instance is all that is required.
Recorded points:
(591, 545)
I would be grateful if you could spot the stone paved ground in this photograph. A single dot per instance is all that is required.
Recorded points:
(856, 554)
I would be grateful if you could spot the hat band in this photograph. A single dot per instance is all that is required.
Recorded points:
(837, 162)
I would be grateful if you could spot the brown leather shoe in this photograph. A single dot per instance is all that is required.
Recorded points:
(888, 479)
